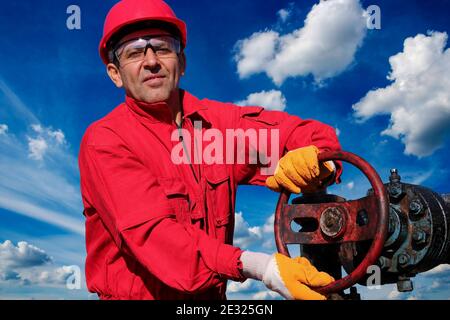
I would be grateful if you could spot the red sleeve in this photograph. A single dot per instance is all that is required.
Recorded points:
(312, 132)
(293, 133)
(136, 213)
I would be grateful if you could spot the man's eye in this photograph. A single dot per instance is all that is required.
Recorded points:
(163, 50)
(134, 53)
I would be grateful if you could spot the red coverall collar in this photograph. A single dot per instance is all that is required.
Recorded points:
(160, 112)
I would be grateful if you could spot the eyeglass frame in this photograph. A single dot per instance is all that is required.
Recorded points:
(148, 38)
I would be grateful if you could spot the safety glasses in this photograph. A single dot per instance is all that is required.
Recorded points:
(134, 50)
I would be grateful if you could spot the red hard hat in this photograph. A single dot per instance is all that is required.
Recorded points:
(127, 12)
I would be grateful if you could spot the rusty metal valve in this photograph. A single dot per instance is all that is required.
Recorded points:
(338, 222)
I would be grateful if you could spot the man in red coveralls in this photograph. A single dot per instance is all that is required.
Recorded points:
(156, 229)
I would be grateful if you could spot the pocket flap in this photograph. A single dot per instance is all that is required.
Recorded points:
(257, 114)
(251, 111)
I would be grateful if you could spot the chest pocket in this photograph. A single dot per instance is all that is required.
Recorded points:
(218, 199)
(177, 196)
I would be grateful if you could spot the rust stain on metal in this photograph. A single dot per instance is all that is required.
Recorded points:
(338, 222)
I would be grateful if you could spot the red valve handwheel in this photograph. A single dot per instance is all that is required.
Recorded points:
(338, 222)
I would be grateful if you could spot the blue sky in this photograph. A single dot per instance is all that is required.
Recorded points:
(386, 91)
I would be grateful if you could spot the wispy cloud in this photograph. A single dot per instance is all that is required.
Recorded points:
(39, 173)
(417, 177)
(37, 148)
(284, 14)
(16, 105)
(3, 129)
(350, 185)
(46, 137)
(23, 205)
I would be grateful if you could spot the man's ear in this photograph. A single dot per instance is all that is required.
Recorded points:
(114, 74)
(182, 60)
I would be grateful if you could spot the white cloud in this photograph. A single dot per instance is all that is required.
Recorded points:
(58, 135)
(22, 256)
(234, 286)
(350, 185)
(37, 128)
(266, 295)
(260, 238)
(3, 129)
(271, 100)
(46, 137)
(256, 53)
(250, 289)
(439, 270)
(26, 264)
(37, 148)
(324, 47)
(269, 224)
(47, 191)
(394, 295)
(418, 100)
(268, 232)
(338, 132)
(283, 14)
(49, 276)
(49, 133)
(244, 235)
(435, 285)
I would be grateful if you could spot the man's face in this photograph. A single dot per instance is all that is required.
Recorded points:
(154, 79)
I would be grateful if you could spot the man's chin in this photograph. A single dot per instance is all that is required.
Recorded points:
(156, 98)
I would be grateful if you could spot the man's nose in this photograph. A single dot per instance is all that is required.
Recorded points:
(150, 58)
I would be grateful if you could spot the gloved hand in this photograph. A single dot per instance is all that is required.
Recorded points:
(293, 278)
(299, 171)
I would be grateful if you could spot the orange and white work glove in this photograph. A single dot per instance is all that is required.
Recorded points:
(293, 278)
(299, 171)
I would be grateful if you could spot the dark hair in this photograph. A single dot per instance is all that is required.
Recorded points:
(169, 27)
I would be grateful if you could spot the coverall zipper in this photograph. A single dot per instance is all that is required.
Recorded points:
(180, 136)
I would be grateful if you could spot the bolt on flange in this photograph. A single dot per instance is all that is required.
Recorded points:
(415, 208)
(403, 259)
